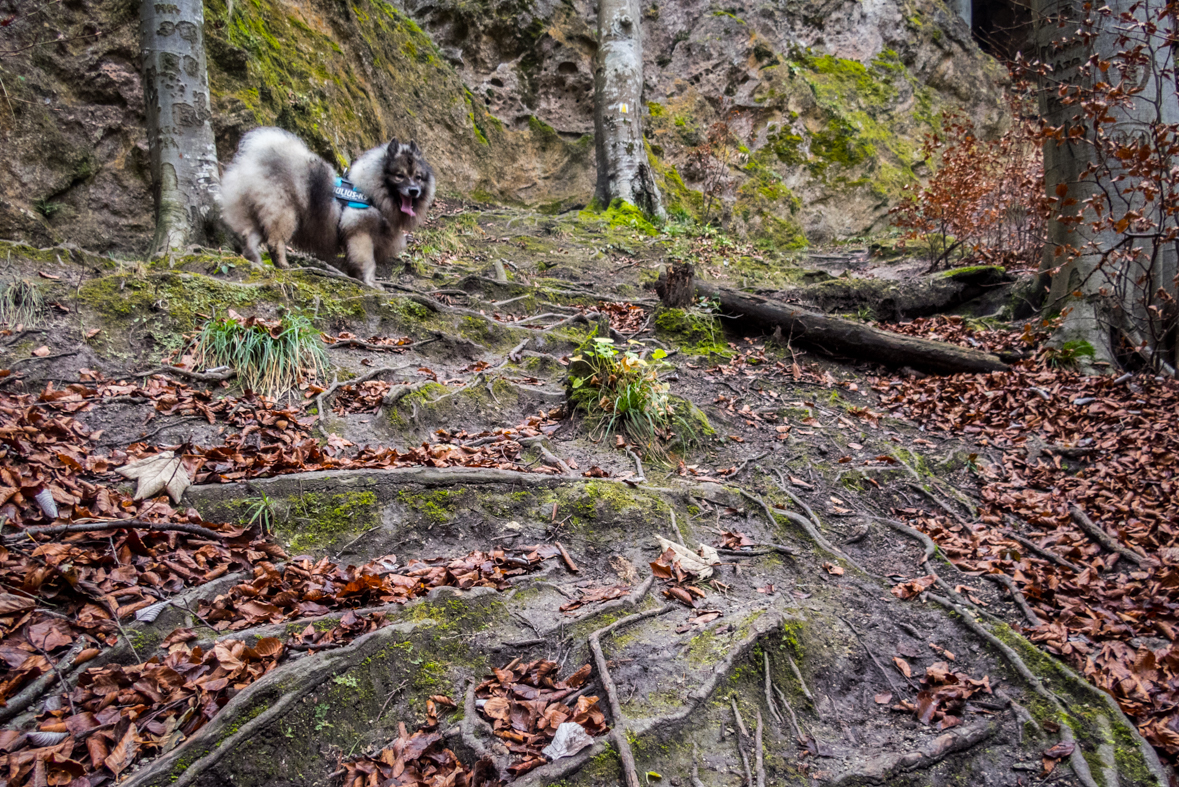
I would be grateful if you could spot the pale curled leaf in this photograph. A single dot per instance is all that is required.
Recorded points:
(571, 738)
(161, 472)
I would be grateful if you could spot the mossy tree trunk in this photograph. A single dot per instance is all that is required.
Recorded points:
(624, 172)
(180, 136)
(1111, 279)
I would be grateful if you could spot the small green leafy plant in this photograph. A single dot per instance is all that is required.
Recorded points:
(261, 512)
(1069, 354)
(270, 356)
(21, 303)
(621, 390)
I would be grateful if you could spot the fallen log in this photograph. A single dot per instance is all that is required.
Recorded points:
(893, 301)
(847, 338)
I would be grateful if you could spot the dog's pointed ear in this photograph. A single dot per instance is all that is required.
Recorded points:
(413, 147)
(393, 146)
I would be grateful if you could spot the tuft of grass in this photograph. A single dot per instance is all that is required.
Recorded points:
(21, 303)
(270, 356)
(48, 208)
(620, 390)
(262, 512)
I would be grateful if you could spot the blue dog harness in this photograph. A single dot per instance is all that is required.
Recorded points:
(351, 196)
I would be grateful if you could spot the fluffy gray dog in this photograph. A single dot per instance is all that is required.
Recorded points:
(276, 190)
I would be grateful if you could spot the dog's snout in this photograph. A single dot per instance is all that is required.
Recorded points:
(414, 192)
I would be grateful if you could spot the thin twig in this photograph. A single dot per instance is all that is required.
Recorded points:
(344, 548)
(568, 560)
(887, 675)
(741, 467)
(113, 524)
(638, 465)
(155, 432)
(34, 690)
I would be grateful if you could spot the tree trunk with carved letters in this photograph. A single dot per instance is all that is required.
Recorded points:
(180, 136)
(624, 171)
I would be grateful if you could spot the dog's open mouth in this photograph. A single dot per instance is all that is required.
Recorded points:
(407, 205)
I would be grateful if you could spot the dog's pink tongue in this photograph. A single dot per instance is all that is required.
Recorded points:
(406, 207)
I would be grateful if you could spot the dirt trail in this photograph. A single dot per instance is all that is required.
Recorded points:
(797, 631)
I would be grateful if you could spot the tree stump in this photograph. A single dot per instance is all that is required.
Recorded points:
(677, 287)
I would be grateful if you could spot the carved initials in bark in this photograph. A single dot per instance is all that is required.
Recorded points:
(183, 153)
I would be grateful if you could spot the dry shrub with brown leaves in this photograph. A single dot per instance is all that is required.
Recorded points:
(985, 199)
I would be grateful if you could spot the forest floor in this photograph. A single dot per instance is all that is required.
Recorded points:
(411, 583)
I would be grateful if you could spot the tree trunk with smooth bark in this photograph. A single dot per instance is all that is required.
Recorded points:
(624, 171)
(1106, 297)
(184, 169)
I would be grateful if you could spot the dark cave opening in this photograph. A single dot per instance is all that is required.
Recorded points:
(1003, 28)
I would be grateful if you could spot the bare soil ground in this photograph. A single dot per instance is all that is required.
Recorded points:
(827, 668)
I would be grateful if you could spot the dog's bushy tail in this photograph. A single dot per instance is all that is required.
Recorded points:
(319, 231)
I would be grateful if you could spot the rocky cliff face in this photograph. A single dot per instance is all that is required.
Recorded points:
(823, 103)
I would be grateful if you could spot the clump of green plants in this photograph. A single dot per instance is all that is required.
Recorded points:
(620, 390)
(1069, 354)
(270, 356)
(21, 303)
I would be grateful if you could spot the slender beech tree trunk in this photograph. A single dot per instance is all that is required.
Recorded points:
(1106, 293)
(624, 171)
(180, 136)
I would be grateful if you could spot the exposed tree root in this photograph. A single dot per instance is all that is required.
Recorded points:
(638, 466)
(341, 344)
(809, 526)
(882, 768)
(1047, 554)
(777, 717)
(883, 671)
(759, 754)
(235, 725)
(1101, 537)
(742, 742)
(801, 683)
(474, 730)
(1077, 759)
(619, 732)
(550, 458)
(1029, 614)
(333, 274)
(188, 374)
(324, 397)
(38, 687)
